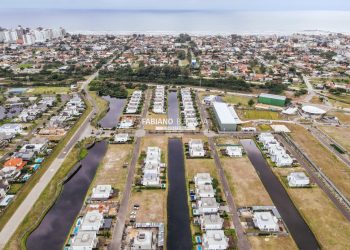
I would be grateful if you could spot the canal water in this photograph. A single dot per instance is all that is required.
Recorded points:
(116, 106)
(179, 232)
(173, 108)
(296, 225)
(54, 228)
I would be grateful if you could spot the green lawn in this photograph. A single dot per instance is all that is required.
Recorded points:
(25, 66)
(15, 187)
(234, 99)
(48, 90)
(259, 114)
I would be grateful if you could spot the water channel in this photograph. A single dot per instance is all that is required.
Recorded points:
(173, 108)
(54, 228)
(179, 232)
(300, 231)
(110, 120)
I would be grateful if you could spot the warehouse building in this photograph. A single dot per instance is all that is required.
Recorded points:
(275, 100)
(226, 117)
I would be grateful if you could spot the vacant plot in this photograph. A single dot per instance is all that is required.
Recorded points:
(48, 90)
(342, 116)
(235, 99)
(338, 172)
(340, 135)
(321, 216)
(152, 205)
(111, 171)
(272, 242)
(255, 114)
(155, 120)
(244, 182)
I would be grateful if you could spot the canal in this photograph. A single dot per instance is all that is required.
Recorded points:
(54, 228)
(110, 120)
(179, 232)
(173, 108)
(300, 231)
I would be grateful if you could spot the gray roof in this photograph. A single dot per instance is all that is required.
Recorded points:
(226, 114)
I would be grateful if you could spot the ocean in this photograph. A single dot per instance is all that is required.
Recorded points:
(174, 22)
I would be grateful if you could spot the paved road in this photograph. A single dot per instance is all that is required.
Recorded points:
(310, 88)
(33, 196)
(123, 209)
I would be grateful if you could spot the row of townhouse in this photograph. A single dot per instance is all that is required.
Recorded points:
(208, 210)
(159, 100)
(189, 111)
(277, 153)
(35, 110)
(152, 167)
(134, 102)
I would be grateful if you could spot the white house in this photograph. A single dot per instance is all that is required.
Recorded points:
(205, 191)
(92, 221)
(121, 138)
(126, 123)
(143, 240)
(265, 221)
(11, 128)
(207, 206)
(84, 240)
(202, 179)
(211, 222)
(234, 151)
(196, 148)
(101, 192)
(298, 179)
(215, 240)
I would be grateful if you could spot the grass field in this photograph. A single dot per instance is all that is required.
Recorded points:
(321, 216)
(48, 90)
(329, 163)
(102, 107)
(269, 243)
(259, 114)
(111, 171)
(342, 116)
(339, 134)
(159, 118)
(235, 99)
(244, 182)
(152, 205)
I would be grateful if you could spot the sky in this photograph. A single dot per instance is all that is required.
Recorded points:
(253, 5)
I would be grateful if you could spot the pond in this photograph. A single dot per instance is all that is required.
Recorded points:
(110, 120)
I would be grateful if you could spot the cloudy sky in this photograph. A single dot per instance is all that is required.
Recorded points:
(182, 4)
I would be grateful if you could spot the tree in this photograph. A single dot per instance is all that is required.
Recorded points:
(251, 102)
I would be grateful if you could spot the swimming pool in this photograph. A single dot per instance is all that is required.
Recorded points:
(198, 239)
